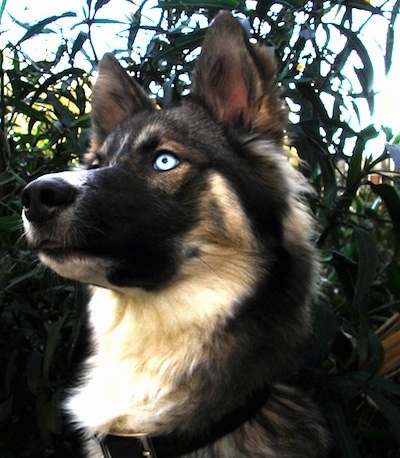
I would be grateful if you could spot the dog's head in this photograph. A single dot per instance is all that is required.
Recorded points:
(166, 190)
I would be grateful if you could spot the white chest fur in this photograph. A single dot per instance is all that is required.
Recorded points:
(145, 342)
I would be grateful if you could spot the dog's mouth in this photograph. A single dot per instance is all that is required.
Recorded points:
(58, 250)
(50, 245)
(60, 253)
(74, 262)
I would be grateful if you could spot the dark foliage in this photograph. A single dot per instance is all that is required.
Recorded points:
(354, 360)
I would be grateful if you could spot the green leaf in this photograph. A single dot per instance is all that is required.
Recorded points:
(188, 41)
(366, 74)
(30, 274)
(295, 4)
(262, 7)
(355, 172)
(106, 21)
(329, 179)
(5, 178)
(2, 8)
(366, 266)
(100, 3)
(390, 44)
(55, 79)
(220, 4)
(381, 383)
(371, 352)
(62, 112)
(97, 21)
(391, 200)
(347, 273)
(323, 335)
(309, 151)
(6, 409)
(10, 223)
(388, 409)
(394, 151)
(23, 108)
(341, 431)
(313, 95)
(54, 331)
(39, 27)
(78, 43)
(369, 133)
(363, 5)
(33, 371)
(393, 278)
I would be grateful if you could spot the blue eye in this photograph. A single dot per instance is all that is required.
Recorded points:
(165, 162)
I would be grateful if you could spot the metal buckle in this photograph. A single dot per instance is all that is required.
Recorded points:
(147, 448)
(103, 447)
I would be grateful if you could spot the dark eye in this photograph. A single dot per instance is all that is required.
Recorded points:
(165, 162)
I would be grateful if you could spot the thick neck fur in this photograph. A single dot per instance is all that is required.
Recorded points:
(162, 358)
(152, 348)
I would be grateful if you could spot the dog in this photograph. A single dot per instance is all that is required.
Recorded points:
(192, 228)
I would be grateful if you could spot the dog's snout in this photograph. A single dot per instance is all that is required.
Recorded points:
(43, 196)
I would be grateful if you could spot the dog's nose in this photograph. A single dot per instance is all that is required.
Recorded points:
(43, 196)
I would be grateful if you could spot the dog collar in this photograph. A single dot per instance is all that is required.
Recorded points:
(177, 444)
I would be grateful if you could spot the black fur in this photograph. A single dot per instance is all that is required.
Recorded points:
(206, 270)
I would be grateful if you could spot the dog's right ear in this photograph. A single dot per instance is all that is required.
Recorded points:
(235, 81)
(116, 96)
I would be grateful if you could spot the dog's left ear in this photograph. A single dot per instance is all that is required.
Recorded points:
(235, 80)
(116, 96)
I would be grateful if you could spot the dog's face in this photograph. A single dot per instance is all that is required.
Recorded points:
(161, 193)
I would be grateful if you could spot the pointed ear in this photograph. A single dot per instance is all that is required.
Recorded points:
(116, 96)
(235, 80)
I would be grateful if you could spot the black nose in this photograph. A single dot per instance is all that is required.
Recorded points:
(42, 197)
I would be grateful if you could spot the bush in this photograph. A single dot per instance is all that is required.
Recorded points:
(326, 76)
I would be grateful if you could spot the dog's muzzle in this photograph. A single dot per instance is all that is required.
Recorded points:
(44, 196)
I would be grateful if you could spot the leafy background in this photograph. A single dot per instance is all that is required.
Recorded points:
(326, 74)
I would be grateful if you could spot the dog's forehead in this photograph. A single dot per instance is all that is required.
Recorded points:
(177, 130)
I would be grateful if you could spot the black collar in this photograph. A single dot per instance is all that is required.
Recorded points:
(177, 444)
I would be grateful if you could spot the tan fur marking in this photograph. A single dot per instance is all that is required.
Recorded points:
(171, 180)
(151, 340)
(152, 130)
(232, 227)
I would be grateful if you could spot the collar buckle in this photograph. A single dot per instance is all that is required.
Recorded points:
(121, 446)
(148, 448)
